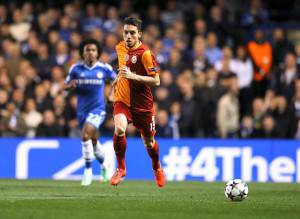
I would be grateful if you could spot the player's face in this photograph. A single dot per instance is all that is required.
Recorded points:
(90, 53)
(131, 35)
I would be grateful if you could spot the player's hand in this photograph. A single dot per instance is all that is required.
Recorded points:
(126, 73)
(114, 83)
(71, 84)
(74, 83)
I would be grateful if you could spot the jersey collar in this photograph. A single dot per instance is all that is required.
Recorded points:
(135, 47)
(90, 68)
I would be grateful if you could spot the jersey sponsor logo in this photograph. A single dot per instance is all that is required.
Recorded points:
(100, 75)
(90, 81)
(133, 59)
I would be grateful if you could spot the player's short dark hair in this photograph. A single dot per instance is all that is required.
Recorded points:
(134, 21)
(86, 42)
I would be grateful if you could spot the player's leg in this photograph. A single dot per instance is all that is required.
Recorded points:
(99, 154)
(89, 138)
(153, 151)
(121, 117)
(146, 124)
(87, 152)
(120, 147)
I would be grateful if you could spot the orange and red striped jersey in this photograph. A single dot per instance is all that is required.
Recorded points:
(140, 61)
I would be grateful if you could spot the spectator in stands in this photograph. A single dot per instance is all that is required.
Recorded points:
(200, 28)
(14, 58)
(112, 20)
(187, 104)
(20, 83)
(64, 28)
(246, 128)
(171, 14)
(43, 62)
(31, 117)
(153, 17)
(258, 112)
(281, 46)
(59, 107)
(202, 99)
(242, 66)
(61, 55)
(175, 114)
(11, 122)
(175, 64)
(199, 60)
(162, 124)
(49, 126)
(91, 21)
(228, 111)
(57, 82)
(163, 98)
(71, 117)
(255, 14)
(44, 102)
(269, 129)
(225, 65)
(218, 24)
(260, 52)
(284, 80)
(19, 29)
(17, 98)
(212, 52)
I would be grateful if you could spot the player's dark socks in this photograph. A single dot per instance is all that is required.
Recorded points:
(154, 154)
(88, 164)
(120, 149)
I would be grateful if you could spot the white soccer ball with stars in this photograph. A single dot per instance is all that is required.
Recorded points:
(236, 190)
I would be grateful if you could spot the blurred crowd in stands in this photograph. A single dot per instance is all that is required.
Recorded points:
(227, 67)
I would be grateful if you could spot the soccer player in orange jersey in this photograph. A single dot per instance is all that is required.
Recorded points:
(133, 100)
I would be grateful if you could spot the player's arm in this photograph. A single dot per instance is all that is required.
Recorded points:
(149, 63)
(70, 85)
(147, 80)
(70, 82)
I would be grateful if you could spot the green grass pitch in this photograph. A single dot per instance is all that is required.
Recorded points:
(43, 199)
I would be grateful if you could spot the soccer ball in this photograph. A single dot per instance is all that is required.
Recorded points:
(236, 190)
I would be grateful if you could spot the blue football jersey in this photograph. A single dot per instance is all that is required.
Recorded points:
(90, 87)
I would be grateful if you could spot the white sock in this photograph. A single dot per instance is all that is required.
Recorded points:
(87, 151)
(98, 152)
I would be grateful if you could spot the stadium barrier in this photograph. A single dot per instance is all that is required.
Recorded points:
(184, 159)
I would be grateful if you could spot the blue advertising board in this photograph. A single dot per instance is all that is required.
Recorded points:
(184, 159)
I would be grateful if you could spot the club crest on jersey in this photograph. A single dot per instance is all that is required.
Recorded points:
(133, 59)
(99, 75)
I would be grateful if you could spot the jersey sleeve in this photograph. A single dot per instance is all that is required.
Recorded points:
(70, 75)
(149, 62)
(121, 53)
(110, 73)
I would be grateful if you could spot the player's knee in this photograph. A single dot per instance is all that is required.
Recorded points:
(148, 143)
(85, 136)
(119, 130)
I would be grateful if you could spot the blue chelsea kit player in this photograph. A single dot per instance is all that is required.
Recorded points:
(88, 79)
